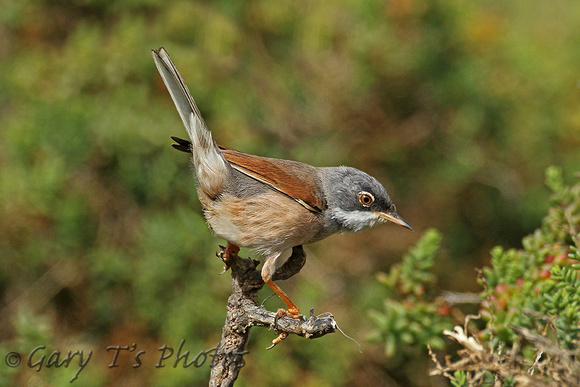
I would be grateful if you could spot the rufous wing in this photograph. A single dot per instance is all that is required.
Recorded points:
(291, 178)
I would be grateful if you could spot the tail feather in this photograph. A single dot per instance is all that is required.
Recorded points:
(182, 145)
(211, 167)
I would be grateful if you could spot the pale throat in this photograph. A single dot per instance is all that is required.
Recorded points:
(354, 221)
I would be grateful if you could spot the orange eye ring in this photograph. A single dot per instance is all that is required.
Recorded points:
(365, 198)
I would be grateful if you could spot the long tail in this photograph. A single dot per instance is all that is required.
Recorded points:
(211, 167)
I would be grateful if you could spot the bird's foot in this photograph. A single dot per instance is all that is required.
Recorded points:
(281, 336)
(222, 255)
(290, 312)
(226, 254)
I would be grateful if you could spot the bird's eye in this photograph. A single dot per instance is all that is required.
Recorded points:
(365, 198)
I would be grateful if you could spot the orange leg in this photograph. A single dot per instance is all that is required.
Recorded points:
(267, 272)
(292, 310)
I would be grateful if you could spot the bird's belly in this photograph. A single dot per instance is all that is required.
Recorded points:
(268, 222)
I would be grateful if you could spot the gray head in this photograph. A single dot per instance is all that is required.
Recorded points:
(356, 200)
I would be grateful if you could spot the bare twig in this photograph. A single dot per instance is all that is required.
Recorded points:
(559, 368)
(243, 313)
(564, 356)
(483, 280)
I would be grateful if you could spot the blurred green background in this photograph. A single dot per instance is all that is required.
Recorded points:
(456, 107)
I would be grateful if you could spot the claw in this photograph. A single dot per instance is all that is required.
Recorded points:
(278, 339)
(226, 254)
(295, 314)
(282, 335)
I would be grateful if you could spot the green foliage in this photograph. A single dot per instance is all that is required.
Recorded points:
(460, 379)
(412, 315)
(531, 306)
(451, 104)
(541, 280)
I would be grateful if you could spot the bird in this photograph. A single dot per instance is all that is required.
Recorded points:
(266, 204)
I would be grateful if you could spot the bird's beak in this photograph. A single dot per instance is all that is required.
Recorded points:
(395, 218)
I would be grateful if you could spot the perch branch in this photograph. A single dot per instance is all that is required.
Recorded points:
(243, 313)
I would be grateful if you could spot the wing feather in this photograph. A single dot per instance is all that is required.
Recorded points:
(292, 178)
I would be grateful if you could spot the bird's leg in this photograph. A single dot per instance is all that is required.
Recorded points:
(267, 272)
(226, 253)
(292, 310)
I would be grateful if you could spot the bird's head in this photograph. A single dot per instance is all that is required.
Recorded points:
(357, 200)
